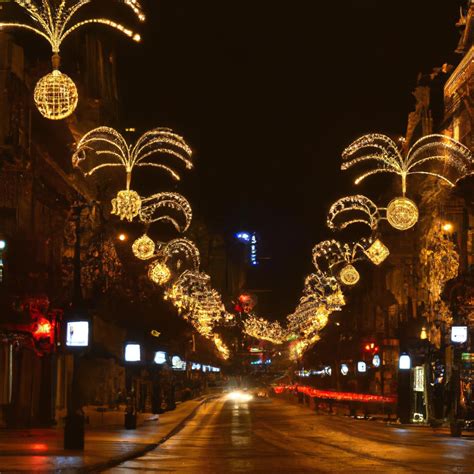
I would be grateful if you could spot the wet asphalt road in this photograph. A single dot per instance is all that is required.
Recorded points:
(272, 436)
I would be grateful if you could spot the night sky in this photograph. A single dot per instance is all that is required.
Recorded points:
(268, 94)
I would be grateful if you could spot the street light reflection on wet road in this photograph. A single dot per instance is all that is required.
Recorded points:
(272, 436)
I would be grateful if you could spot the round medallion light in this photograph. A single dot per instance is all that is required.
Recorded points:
(349, 275)
(402, 213)
(127, 204)
(159, 273)
(56, 96)
(143, 248)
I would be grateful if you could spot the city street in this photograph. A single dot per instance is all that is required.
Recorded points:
(268, 435)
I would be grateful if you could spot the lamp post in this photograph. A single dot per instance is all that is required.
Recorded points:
(74, 424)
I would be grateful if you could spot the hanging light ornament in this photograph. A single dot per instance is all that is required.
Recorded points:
(143, 248)
(349, 275)
(338, 259)
(56, 94)
(434, 155)
(377, 252)
(159, 273)
(402, 213)
(104, 147)
(359, 209)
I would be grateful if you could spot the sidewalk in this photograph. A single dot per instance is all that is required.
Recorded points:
(40, 450)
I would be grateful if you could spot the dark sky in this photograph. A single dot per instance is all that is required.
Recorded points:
(268, 94)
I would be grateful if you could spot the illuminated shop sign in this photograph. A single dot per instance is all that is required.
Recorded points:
(404, 363)
(177, 363)
(132, 353)
(160, 357)
(77, 334)
(459, 334)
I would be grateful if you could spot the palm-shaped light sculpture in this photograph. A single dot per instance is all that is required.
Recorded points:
(359, 209)
(105, 148)
(56, 94)
(434, 155)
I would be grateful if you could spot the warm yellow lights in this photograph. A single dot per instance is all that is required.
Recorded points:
(104, 148)
(221, 347)
(352, 210)
(423, 333)
(377, 252)
(402, 213)
(447, 227)
(158, 272)
(264, 330)
(143, 248)
(385, 157)
(56, 96)
(349, 275)
(122, 237)
(54, 20)
(155, 333)
(126, 205)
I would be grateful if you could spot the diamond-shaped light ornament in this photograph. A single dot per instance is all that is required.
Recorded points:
(143, 248)
(377, 252)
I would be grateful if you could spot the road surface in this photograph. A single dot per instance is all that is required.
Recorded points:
(272, 436)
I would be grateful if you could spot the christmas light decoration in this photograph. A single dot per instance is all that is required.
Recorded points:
(184, 251)
(54, 20)
(171, 201)
(377, 252)
(349, 275)
(56, 95)
(402, 213)
(338, 259)
(264, 330)
(143, 248)
(221, 347)
(104, 147)
(158, 272)
(433, 155)
(351, 210)
(126, 205)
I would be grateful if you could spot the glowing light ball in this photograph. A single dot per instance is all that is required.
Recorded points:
(349, 275)
(402, 213)
(56, 96)
(127, 204)
(159, 273)
(143, 248)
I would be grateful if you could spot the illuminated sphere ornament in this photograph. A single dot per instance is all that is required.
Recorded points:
(349, 275)
(127, 204)
(159, 273)
(402, 213)
(143, 248)
(56, 96)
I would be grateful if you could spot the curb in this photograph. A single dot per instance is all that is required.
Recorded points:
(141, 451)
